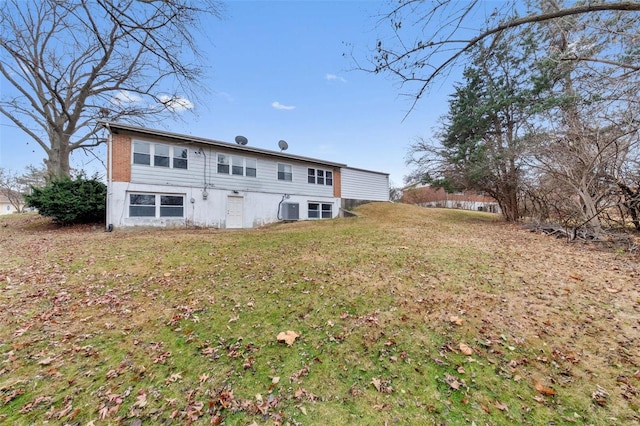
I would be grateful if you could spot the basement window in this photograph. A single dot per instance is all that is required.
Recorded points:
(156, 205)
(320, 211)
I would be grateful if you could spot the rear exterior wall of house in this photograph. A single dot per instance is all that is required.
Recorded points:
(163, 182)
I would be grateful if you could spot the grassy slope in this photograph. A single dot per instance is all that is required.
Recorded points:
(176, 326)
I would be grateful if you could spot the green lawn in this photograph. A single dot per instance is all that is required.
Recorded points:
(405, 315)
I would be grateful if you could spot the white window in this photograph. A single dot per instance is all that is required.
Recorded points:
(160, 155)
(180, 158)
(171, 206)
(142, 205)
(223, 164)
(320, 210)
(156, 205)
(142, 153)
(320, 177)
(327, 211)
(236, 165)
(284, 172)
(251, 167)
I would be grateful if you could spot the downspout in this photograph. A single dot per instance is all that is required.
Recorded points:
(205, 194)
(109, 224)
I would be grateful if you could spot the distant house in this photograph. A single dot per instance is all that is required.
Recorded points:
(158, 178)
(426, 196)
(9, 200)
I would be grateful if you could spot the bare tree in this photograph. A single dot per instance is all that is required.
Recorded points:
(65, 64)
(12, 188)
(428, 37)
(33, 177)
(591, 127)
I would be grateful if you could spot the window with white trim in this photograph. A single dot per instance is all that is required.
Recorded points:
(320, 176)
(223, 164)
(171, 206)
(250, 167)
(236, 165)
(180, 156)
(319, 210)
(156, 205)
(285, 172)
(160, 155)
(142, 153)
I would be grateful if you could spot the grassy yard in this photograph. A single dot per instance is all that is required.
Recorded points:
(401, 315)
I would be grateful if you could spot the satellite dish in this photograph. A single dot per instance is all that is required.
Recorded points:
(241, 140)
(283, 145)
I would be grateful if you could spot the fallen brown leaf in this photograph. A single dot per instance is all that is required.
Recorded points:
(543, 389)
(377, 383)
(288, 337)
(501, 406)
(141, 399)
(466, 349)
(600, 396)
(452, 381)
(46, 361)
(455, 320)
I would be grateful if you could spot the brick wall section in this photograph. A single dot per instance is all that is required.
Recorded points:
(121, 148)
(427, 194)
(337, 185)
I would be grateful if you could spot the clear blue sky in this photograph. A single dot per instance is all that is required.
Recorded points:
(276, 70)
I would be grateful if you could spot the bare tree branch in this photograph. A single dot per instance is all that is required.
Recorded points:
(64, 64)
(424, 60)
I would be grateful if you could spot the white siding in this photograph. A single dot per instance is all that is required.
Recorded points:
(199, 159)
(6, 208)
(207, 193)
(364, 185)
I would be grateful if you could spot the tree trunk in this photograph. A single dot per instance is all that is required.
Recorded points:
(508, 202)
(591, 214)
(631, 203)
(58, 157)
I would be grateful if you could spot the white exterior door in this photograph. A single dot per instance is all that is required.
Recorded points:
(234, 212)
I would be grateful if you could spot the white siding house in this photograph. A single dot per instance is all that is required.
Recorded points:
(158, 178)
(360, 186)
(5, 206)
(9, 201)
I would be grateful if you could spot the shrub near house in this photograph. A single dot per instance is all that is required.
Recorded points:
(68, 201)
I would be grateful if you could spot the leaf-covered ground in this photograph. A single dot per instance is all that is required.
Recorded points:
(402, 315)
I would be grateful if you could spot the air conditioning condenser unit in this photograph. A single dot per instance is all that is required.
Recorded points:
(290, 211)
